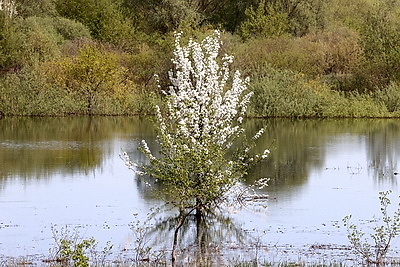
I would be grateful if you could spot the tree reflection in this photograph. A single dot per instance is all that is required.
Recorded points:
(301, 146)
(383, 141)
(293, 155)
(37, 148)
(42, 147)
(203, 240)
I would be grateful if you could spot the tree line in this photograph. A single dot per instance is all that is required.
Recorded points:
(306, 58)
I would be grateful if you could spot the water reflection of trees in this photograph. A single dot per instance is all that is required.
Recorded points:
(41, 147)
(383, 140)
(202, 240)
(294, 146)
(300, 146)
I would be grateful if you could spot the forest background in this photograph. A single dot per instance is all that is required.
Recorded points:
(305, 58)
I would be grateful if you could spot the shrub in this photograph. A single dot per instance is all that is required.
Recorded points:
(265, 21)
(72, 250)
(103, 18)
(353, 105)
(29, 93)
(11, 43)
(30, 8)
(389, 97)
(331, 55)
(90, 82)
(30, 40)
(93, 74)
(379, 40)
(381, 237)
(285, 94)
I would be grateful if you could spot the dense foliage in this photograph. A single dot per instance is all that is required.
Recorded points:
(308, 58)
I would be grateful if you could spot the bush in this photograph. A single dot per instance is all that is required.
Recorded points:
(103, 18)
(353, 105)
(98, 77)
(11, 43)
(265, 21)
(90, 80)
(389, 97)
(373, 250)
(283, 93)
(331, 55)
(379, 40)
(27, 41)
(30, 8)
(72, 250)
(28, 93)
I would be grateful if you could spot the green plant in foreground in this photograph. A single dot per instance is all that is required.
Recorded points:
(73, 250)
(382, 235)
(142, 250)
(76, 252)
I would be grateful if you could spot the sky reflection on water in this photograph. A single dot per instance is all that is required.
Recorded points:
(67, 171)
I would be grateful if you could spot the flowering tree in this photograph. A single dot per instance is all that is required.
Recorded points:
(201, 120)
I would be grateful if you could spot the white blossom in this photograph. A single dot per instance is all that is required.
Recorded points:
(265, 154)
(146, 149)
(8, 6)
(258, 134)
(198, 100)
(202, 119)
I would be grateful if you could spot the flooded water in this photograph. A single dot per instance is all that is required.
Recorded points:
(67, 172)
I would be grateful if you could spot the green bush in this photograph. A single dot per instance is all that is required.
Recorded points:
(264, 21)
(42, 40)
(283, 94)
(331, 55)
(103, 18)
(11, 43)
(379, 40)
(26, 41)
(30, 8)
(389, 97)
(374, 248)
(354, 105)
(70, 249)
(28, 93)
(35, 92)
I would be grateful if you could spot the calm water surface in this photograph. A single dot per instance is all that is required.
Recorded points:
(67, 171)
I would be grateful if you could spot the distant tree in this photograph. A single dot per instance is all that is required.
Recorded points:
(273, 17)
(42, 8)
(93, 72)
(103, 18)
(231, 15)
(162, 16)
(11, 39)
(380, 40)
(169, 15)
(264, 21)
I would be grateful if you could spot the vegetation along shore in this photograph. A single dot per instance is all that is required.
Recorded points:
(307, 58)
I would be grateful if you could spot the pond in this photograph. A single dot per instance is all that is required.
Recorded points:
(57, 172)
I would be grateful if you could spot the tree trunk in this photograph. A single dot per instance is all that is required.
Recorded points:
(182, 218)
(200, 234)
